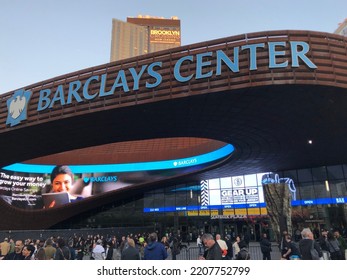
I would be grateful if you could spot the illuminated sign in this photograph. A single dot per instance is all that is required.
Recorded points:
(128, 79)
(165, 36)
(29, 186)
(129, 167)
(320, 201)
(272, 178)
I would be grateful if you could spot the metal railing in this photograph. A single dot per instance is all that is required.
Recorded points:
(192, 252)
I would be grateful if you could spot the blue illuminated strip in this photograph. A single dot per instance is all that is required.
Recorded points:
(209, 207)
(128, 167)
(319, 201)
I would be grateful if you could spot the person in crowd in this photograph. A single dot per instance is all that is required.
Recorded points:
(40, 253)
(265, 247)
(109, 250)
(165, 242)
(323, 240)
(292, 250)
(49, 249)
(80, 247)
(154, 249)
(28, 252)
(131, 252)
(12, 245)
(236, 247)
(175, 246)
(124, 244)
(305, 245)
(283, 245)
(222, 244)
(200, 245)
(72, 249)
(342, 243)
(230, 253)
(4, 247)
(333, 246)
(243, 254)
(213, 250)
(17, 254)
(98, 252)
(62, 251)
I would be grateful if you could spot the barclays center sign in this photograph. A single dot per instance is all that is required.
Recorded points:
(129, 79)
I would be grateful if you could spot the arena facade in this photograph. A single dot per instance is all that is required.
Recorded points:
(248, 104)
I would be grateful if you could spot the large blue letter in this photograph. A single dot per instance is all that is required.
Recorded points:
(302, 54)
(154, 74)
(103, 85)
(44, 97)
(253, 54)
(73, 92)
(177, 72)
(120, 81)
(58, 96)
(200, 63)
(273, 53)
(86, 94)
(137, 76)
(233, 66)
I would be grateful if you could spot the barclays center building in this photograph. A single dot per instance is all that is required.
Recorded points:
(184, 139)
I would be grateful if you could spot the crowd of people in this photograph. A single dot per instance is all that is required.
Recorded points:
(95, 247)
(150, 246)
(328, 245)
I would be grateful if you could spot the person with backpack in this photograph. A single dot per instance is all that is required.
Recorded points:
(243, 254)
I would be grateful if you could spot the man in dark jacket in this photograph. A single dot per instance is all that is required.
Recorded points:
(213, 252)
(265, 247)
(305, 245)
(154, 250)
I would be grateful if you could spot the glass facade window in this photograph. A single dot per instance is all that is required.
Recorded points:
(306, 191)
(305, 175)
(335, 172)
(321, 190)
(319, 174)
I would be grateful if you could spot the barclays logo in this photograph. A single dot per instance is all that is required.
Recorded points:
(17, 107)
(101, 179)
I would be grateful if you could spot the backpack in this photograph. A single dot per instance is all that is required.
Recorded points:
(243, 255)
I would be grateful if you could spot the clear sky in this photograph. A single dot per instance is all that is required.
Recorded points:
(42, 39)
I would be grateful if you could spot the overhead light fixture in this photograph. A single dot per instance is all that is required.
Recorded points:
(327, 186)
(309, 142)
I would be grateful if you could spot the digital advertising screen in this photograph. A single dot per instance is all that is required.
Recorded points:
(31, 186)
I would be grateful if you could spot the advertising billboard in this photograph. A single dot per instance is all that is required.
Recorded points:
(31, 186)
(164, 35)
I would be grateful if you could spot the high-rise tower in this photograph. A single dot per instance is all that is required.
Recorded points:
(143, 34)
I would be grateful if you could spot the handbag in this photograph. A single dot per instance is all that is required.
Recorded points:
(314, 252)
(337, 254)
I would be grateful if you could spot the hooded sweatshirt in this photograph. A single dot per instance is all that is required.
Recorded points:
(155, 251)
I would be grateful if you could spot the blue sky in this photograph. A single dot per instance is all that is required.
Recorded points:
(42, 39)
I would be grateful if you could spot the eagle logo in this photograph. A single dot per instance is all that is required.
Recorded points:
(17, 107)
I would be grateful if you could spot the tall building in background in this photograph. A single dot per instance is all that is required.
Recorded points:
(342, 29)
(143, 34)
